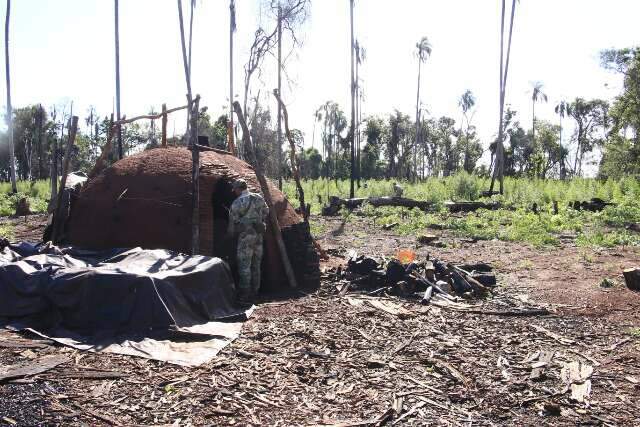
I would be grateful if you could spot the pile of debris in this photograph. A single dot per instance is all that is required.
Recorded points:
(405, 277)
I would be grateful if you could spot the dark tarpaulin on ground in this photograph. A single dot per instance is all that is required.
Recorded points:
(157, 304)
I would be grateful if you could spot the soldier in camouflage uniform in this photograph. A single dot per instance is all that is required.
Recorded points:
(247, 223)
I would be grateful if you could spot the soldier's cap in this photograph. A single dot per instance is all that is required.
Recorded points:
(239, 184)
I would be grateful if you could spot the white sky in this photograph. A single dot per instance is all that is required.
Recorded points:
(63, 51)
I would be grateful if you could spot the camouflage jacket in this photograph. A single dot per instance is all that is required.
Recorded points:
(247, 211)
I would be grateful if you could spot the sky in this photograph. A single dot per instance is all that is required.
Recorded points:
(63, 51)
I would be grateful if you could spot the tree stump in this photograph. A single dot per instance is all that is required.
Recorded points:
(22, 207)
(632, 278)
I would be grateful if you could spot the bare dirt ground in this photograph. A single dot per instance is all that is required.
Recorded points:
(322, 359)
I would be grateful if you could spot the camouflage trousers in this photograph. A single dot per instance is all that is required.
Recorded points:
(249, 260)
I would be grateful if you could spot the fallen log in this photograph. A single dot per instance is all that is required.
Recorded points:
(336, 203)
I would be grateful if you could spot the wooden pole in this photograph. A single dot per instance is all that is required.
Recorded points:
(273, 218)
(57, 221)
(195, 176)
(164, 125)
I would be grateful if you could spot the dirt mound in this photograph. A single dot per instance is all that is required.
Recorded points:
(145, 200)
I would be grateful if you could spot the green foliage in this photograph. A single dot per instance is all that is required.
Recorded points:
(36, 192)
(6, 231)
(517, 223)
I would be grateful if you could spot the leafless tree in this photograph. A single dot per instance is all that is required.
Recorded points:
(12, 156)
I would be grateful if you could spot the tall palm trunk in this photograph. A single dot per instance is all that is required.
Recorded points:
(499, 160)
(533, 126)
(232, 29)
(12, 155)
(418, 105)
(353, 111)
(563, 172)
(117, 40)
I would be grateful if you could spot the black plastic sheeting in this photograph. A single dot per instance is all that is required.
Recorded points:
(110, 296)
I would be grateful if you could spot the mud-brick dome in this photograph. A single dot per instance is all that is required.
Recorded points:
(145, 200)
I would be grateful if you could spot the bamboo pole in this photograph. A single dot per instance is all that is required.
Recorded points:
(57, 222)
(273, 218)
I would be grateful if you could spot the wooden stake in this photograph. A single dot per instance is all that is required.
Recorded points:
(273, 218)
(58, 224)
(164, 125)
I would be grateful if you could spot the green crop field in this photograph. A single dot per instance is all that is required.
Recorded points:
(515, 223)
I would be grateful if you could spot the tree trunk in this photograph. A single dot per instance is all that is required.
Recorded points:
(40, 141)
(118, 117)
(279, 151)
(12, 156)
(58, 222)
(563, 173)
(418, 103)
(353, 110)
(357, 114)
(232, 27)
(496, 170)
(195, 155)
(503, 83)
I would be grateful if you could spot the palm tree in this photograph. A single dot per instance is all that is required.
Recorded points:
(498, 169)
(423, 53)
(117, 36)
(466, 102)
(353, 109)
(562, 109)
(536, 95)
(12, 156)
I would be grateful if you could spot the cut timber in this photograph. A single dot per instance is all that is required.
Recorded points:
(32, 367)
(273, 219)
(632, 278)
(335, 203)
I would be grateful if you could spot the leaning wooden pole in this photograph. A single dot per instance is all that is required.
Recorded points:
(295, 167)
(194, 111)
(273, 218)
(57, 220)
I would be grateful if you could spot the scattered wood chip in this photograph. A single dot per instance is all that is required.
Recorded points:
(562, 340)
